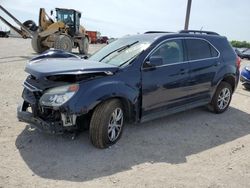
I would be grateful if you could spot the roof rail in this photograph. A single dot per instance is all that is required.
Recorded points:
(149, 32)
(198, 32)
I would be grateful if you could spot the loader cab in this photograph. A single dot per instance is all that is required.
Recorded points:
(71, 18)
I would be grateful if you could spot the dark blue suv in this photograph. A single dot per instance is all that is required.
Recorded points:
(134, 79)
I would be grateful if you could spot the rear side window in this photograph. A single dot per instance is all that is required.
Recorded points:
(200, 49)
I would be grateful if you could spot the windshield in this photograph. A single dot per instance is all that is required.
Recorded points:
(65, 16)
(120, 52)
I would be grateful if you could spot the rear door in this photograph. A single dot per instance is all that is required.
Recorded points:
(164, 86)
(203, 63)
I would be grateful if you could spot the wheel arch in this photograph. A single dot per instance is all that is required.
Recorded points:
(231, 80)
(127, 105)
(83, 120)
(95, 92)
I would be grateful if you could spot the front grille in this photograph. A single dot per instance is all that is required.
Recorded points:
(32, 94)
(31, 87)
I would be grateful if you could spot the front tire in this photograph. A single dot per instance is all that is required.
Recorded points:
(63, 42)
(36, 43)
(222, 98)
(106, 124)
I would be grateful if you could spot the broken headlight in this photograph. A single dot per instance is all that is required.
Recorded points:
(58, 95)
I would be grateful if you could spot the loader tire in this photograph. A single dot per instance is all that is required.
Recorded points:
(84, 46)
(63, 42)
(37, 46)
(31, 25)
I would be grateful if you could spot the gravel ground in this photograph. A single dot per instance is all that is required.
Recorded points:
(195, 148)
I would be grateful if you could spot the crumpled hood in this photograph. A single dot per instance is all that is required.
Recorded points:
(50, 66)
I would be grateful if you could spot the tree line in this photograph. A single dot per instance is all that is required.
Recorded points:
(240, 44)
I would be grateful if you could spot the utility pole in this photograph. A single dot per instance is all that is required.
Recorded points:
(188, 14)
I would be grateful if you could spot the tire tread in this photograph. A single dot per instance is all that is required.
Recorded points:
(97, 123)
(213, 105)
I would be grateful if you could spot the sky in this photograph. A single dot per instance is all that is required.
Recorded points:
(116, 18)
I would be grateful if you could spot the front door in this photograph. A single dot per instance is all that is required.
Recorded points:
(165, 86)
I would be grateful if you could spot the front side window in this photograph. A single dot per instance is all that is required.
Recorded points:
(170, 51)
(200, 49)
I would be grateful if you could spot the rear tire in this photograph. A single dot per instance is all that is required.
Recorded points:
(222, 98)
(63, 42)
(106, 124)
(36, 43)
(84, 46)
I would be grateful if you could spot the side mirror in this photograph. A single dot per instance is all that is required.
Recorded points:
(79, 15)
(154, 61)
(51, 12)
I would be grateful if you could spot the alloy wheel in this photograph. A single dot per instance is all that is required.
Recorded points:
(224, 98)
(115, 124)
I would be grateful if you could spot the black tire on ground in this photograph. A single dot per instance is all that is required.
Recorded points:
(217, 98)
(36, 44)
(31, 25)
(99, 130)
(63, 42)
(84, 46)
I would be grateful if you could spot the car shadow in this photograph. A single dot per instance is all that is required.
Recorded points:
(170, 140)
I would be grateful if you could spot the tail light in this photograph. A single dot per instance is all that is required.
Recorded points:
(238, 60)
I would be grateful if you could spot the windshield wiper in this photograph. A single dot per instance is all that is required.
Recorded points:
(119, 49)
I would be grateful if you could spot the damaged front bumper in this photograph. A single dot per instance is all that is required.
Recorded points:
(67, 122)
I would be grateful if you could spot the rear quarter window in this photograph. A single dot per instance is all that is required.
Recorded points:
(200, 49)
(226, 51)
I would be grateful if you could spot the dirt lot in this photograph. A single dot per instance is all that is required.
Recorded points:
(190, 149)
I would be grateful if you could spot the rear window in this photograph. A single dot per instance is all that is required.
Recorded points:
(200, 49)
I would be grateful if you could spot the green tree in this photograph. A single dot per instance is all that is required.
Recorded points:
(240, 44)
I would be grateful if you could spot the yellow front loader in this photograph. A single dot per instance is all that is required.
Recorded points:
(65, 32)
